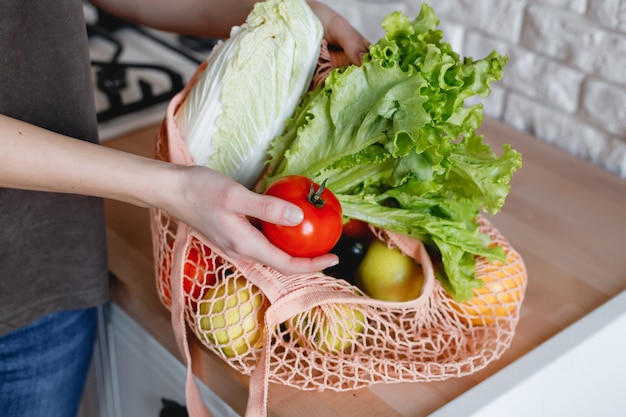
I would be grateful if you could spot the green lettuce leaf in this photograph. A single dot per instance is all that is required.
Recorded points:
(395, 141)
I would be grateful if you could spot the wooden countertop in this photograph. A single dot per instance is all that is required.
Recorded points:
(565, 216)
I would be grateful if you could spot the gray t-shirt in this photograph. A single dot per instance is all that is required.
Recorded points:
(52, 246)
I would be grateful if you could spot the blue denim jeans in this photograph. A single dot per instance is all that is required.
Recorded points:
(43, 366)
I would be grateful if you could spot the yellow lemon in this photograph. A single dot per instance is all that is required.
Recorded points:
(330, 328)
(387, 274)
(231, 314)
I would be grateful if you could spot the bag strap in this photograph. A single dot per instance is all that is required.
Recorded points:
(295, 302)
(195, 404)
(178, 150)
(258, 389)
(178, 153)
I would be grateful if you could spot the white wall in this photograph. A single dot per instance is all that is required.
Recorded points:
(566, 77)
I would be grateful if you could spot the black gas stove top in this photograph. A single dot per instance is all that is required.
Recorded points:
(121, 94)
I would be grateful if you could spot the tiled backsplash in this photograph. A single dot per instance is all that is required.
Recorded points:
(566, 78)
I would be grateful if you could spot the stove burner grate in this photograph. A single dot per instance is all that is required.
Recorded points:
(112, 75)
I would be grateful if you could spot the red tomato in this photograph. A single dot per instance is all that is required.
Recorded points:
(198, 272)
(358, 229)
(321, 228)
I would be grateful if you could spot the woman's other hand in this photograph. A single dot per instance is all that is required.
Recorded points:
(339, 33)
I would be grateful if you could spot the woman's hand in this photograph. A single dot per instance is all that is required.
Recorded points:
(220, 209)
(338, 32)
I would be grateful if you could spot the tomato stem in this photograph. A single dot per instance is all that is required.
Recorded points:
(315, 197)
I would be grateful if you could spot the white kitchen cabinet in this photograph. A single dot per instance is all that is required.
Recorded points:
(132, 372)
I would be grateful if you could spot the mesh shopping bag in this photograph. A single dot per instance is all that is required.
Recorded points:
(316, 332)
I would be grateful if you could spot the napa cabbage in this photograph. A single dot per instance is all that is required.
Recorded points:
(251, 85)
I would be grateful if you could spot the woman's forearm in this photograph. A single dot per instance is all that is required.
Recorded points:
(209, 18)
(216, 206)
(215, 18)
(37, 159)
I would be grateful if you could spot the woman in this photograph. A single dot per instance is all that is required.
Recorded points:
(53, 268)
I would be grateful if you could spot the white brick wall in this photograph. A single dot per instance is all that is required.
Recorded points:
(566, 77)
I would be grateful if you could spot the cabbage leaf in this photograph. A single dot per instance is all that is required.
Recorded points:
(251, 85)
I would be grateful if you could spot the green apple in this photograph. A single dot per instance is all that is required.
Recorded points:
(330, 328)
(231, 313)
(387, 274)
